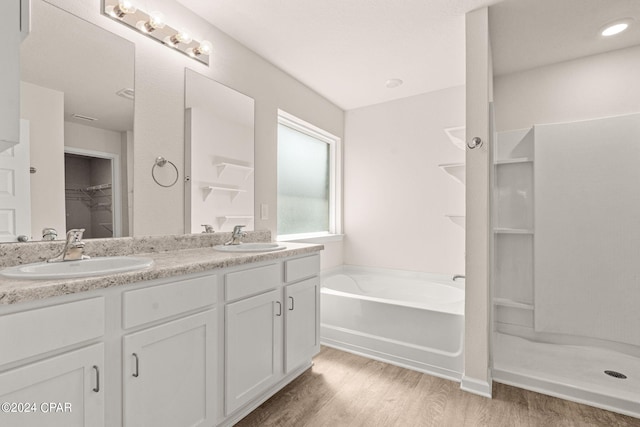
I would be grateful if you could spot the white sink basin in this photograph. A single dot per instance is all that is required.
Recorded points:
(81, 268)
(250, 247)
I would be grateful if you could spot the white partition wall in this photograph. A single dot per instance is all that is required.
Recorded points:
(587, 228)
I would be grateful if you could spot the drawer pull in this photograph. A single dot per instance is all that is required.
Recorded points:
(292, 303)
(137, 371)
(279, 313)
(97, 387)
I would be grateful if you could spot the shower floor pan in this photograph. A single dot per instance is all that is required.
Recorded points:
(570, 372)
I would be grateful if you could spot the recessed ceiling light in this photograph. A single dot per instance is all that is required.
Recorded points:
(391, 83)
(616, 27)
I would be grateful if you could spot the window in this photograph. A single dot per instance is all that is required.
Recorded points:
(307, 179)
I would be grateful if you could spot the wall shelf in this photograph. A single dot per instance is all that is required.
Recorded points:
(458, 220)
(457, 136)
(233, 192)
(456, 170)
(512, 161)
(221, 167)
(505, 302)
(512, 231)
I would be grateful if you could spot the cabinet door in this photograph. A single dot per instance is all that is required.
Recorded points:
(302, 334)
(169, 373)
(61, 391)
(253, 338)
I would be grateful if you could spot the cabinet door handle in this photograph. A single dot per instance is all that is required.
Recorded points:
(97, 387)
(137, 366)
(279, 313)
(292, 303)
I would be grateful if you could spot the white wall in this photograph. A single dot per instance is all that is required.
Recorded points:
(44, 108)
(591, 87)
(159, 110)
(395, 195)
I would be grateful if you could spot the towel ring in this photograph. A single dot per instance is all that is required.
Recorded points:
(161, 161)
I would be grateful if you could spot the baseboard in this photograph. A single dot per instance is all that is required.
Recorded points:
(475, 386)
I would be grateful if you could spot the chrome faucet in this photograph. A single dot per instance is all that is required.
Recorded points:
(208, 229)
(236, 235)
(73, 247)
(49, 233)
(458, 276)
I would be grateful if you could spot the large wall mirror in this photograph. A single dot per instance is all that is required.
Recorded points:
(219, 155)
(77, 107)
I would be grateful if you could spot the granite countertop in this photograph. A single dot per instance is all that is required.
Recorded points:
(166, 264)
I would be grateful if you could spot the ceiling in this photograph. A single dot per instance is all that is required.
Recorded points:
(347, 49)
(531, 33)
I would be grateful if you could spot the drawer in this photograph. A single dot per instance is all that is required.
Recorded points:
(146, 305)
(252, 281)
(33, 332)
(301, 268)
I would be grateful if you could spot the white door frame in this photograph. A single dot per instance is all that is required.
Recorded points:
(116, 190)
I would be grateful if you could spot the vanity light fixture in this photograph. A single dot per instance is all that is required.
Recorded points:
(154, 25)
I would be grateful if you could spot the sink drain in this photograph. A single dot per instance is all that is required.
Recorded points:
(615, 374)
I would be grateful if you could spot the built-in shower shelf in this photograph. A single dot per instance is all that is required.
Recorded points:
(512, 161)
(221, 167)
(504, 302)
(233, 192)
(234, 218)
(512, 231)
(457, 136)
(457, 219)
(456, 170)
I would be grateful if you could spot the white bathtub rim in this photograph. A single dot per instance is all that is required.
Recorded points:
(455, 308)
(439, 278)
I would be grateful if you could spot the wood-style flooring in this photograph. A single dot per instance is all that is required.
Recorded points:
(343, 389)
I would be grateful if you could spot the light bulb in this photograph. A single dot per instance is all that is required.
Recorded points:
(205, 48)
(155, 22)
(180, 37)
(121, 9)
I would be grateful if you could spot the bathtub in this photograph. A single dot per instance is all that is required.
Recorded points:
(414, 320)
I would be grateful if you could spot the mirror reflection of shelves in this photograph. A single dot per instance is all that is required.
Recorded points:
(513, 228)
(234, 219)
(226, 166)
(94, 197)
(233, 192)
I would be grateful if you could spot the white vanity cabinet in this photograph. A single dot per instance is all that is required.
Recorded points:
(169, 369)
(302, 337)
(253, 333)
(61, 391)
(202, 349)
(271, 329)
(302, 320)
(62, 381)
